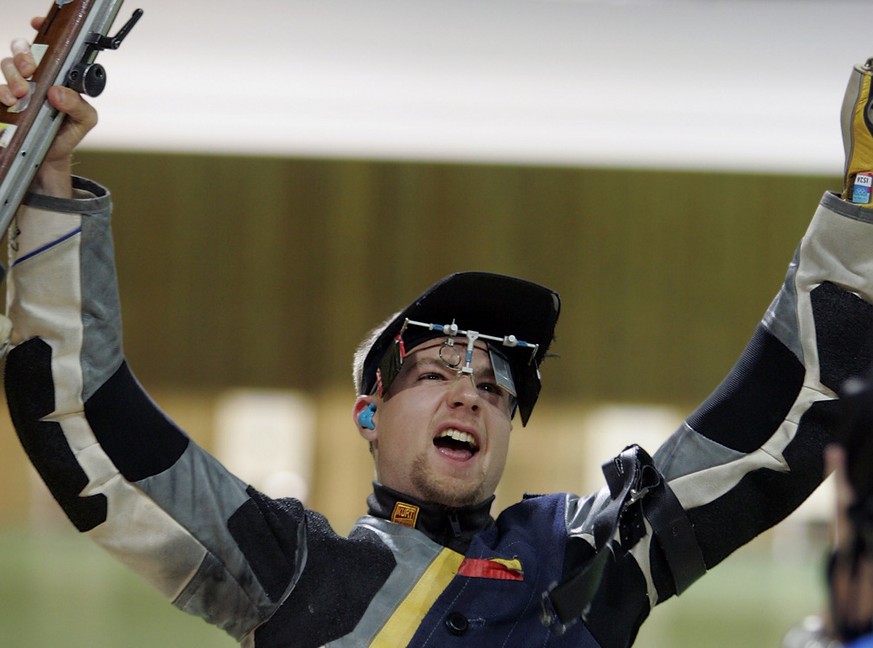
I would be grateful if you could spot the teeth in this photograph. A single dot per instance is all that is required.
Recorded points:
(457, 435)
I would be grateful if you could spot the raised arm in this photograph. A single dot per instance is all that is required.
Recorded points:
(123, 473)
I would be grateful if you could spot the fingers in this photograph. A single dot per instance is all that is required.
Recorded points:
(23, 57)
(16, 70)
(7, 98)
(73, 105)
(16, 85)
(54, 175)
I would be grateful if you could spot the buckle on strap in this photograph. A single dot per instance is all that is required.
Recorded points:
(674, 533)
(564, 603)
(637, 490)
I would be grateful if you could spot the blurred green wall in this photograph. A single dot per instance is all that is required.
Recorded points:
(259, 271)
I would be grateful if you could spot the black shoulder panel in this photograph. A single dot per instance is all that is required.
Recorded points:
(30, 395)
(133, 431)
(265, 530)
(844, 333)
(340, 579)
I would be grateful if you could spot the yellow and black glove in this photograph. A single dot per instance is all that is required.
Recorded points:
(856, 120)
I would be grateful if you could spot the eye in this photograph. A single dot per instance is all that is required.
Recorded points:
(430, 376)
(491, 388)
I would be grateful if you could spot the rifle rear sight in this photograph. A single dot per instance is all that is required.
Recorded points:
(88, 77)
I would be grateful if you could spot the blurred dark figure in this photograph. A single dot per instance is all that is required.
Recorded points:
(849, 619)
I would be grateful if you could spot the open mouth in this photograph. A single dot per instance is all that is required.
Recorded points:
(456, 444)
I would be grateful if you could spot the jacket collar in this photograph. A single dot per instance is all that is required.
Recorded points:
(450, 527)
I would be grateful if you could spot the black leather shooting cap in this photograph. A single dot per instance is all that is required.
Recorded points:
(520, 312)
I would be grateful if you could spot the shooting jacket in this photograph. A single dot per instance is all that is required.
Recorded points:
(272, 573)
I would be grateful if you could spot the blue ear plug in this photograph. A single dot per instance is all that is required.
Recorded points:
(365, 418)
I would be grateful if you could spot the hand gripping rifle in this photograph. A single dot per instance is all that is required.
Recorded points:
(70, 38)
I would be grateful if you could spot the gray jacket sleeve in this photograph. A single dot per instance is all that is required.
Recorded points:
(122, 471)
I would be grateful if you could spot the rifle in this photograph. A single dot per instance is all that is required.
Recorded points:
(73, 33)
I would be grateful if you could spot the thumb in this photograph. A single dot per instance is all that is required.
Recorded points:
(64, 99)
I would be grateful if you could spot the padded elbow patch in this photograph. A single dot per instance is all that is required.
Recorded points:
(749, 405)
(765, 497)
(30, 395)
(132, 430)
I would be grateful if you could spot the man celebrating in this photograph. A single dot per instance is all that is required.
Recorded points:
(438, 388)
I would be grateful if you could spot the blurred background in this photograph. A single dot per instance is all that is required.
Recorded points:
(287, 173)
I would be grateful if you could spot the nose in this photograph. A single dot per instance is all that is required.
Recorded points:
(463, 392)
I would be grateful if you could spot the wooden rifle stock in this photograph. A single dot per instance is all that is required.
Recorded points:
(72, 34)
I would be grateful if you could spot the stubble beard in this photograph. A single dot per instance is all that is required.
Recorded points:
(440, 489)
